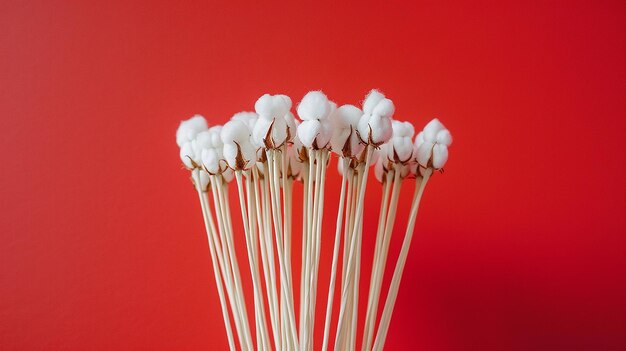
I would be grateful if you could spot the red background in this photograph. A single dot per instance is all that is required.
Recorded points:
(520, 244)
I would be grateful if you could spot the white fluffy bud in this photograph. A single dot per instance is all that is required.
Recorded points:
(314, 105)
(344, 125)
(248, 118)
(401, 146)
(188, 129)
(432, 145)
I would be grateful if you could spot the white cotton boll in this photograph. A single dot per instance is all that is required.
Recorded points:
(186, 155)
(272, 106)
(348, 115)
(385, 108)
(344, 121)
(188, 129)
(419, 139)
(401, 144)
(308, 131)
(338, 140)
(371, 100)
(403, 148)
(402, 129)
(314, 105)
(248, 118)
(204, 140)
(243, 152)
(444, 137)
(345, 117)
(375, 129)
(261, 132)
(287, 100)
(263, 105)
(230, 154)
(261, 128)
(235, 131)
(326, 132)
(431, 129)
(292, 125)
(424, 152)
(210, 160)
(279, 132)
(216, 140)
(440, 156)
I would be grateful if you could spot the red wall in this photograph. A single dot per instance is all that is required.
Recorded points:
(520, 244)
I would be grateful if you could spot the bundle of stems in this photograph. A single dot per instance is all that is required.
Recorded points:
(262, 156)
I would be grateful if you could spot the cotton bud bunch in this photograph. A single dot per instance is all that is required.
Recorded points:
(431, 145)
(271, 129)
(315, 131)
(374, 127)
(238, 150)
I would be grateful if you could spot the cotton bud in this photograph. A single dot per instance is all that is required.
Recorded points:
(211, 160)
(216, 139)
(344, 140)
(292, 126)
(375, 126)
(248, 118)
(234, 131)
(187, 155)
(188, 129)
(203, 141)
(314, 105)
(371, 100)
(316, 129)
(238, 150)
(270, 130)
(401, 144)
(431, 145)
(272, 106)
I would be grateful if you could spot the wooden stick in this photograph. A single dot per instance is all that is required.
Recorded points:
(226, 266)
(323, 155)
(353, 241)
(379, 263)
(270, 280)
(210, 229)
(305, 247)
(333, 269)
(261, 324)
(355, 286)
(274, 194)
(225, 207)
(351, 210)
(383, 328)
